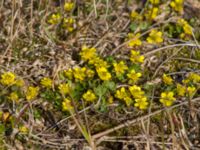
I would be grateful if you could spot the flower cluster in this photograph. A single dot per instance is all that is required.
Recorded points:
(32, 92)
(135, 92)
(136, 57)
(124, 95)
(67, 21)
(135, 16)
(89, 96)
(187, 29)
(103, 73)
(167, 98)
(139, 95)
(64, 88)
(155, 37)
(66, 105)
(187, 88)
(181, 89)
(8, 78)
(54, 19)
(79, 73)
(134, 40)
(177, 5)
(46, 82)
(133, 76)
(155, 2)
(88, 53)
(68, 6)
(167, 79)
(152, 13)
(120, 67)
(14, 96)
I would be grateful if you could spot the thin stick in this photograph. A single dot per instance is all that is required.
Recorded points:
(170, 46)
(187, 59)
(31, 25)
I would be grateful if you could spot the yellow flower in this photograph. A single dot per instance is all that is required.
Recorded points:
(182, 22)
(121, 94)
(94, 60)
(136, 91)
(120, 67)
(195, 78)
(88, 53)
(54, 19)
(19, 82)
(183, 36)
(101, 63)
(135, 15)
(66, 105)
(14, 96)
(185, 81)
(68, 6)
(167, 79)
(135, 41)
(191, 91)
(167, 98)
(155, 2)
(23, 129)
(68, 73)
(180, 89)
(98, 62)
(141, 103)
(110, 99)
(8, 78)
(153, 13)
(136, 57)
(68, 23)
(90, 73)
(80, 73)
(177, 5)
(32, 92)
(89, 96)
(64, 88)
(46, 82)
(133, 76)
(155, 37)
(103, 73)
(128, 101)
(186, 27)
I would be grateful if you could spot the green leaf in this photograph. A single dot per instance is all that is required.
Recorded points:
(179, 29)
(103, 106)
(76, 93)
(148, 87)
(2, 129)
(133, 26)
(136, 67)
(110, 85)
(61, 76)
(100, 90)
(110, 59)
(121, 77)
(144, 25)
